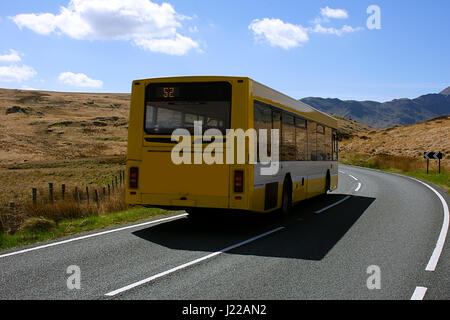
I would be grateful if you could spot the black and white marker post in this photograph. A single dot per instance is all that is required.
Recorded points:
(433, 155)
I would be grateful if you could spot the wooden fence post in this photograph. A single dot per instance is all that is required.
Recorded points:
(11, 207)
(104, 193)
(50, 190)
(96, 196)
(34, 192)
(77, 195)
(109, 191)
(63, 191)
(87, 194)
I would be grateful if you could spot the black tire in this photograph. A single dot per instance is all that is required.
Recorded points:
(195, 213)
(286, 200)
(328, 183)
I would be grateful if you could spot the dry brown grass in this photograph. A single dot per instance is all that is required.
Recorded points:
(57, 126)
(408, 143)
(12, 220)
(405, 164)
(348, 128)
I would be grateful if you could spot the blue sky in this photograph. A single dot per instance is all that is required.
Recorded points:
(302, 48)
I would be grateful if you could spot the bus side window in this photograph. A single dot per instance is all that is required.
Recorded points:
(288, 145)
(301, 140)
(328, 143)
(312, 140)
(320, 146)
(335, 146)
(263, 120)
(276, 125)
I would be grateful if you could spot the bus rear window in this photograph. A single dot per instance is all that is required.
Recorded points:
(177, 106)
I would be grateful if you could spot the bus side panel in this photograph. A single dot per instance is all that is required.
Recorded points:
(240, 119)
(135, 136)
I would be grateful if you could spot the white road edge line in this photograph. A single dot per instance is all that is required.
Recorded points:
(353, 177)
(432, 263)
(92, 235)
(212, 255)
(359, 187)
(333, 205)
(419, 293)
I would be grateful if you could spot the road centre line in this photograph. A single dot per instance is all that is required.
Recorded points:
(419, 293)
(359, 187)
(183, 266)
(93, 235)
(353, 177)
(333, 205)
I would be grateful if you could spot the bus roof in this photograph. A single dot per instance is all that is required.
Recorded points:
(276, 98)
(266, 94)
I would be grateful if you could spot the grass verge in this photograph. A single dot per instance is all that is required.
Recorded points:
(76, 226)
(400, 165)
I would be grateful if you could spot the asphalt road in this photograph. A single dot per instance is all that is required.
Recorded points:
(378, 219)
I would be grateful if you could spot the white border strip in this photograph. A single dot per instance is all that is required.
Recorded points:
(333, 205)
(93, 235)
(431, 266)
(432, 263)
(419, 293)
(183, 266)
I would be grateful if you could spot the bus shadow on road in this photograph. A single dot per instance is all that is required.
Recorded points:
(307, 235)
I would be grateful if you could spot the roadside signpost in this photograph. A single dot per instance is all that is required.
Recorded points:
(433, 156)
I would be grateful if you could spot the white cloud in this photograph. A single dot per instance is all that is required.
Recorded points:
(25, 87)
(193, 29)
(13, 56)
(140, 21)
(79, 80)
(16, 73)
(327, 12)
(318, 28)
(279, 33)
(178, 46)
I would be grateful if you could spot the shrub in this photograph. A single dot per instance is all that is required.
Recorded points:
(37, 224)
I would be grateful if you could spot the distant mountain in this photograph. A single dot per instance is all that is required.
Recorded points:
(399, 112)
(446, 91)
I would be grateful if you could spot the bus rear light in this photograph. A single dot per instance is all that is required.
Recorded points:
(238, 181)
(134, 177)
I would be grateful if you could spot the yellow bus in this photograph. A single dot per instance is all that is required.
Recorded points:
(308, 146)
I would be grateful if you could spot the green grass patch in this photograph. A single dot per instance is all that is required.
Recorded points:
(442, 179)
(400, 165)
(76, 226)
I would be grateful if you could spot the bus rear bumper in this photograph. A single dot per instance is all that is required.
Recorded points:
(180, 201)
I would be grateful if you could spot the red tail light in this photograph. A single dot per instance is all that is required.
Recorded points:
(134, 178)
(238, 181)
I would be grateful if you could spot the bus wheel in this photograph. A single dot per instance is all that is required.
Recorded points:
(195, 213)
(286, 202)
(328, 183)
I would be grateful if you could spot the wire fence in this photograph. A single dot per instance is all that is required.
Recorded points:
(63, 202)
